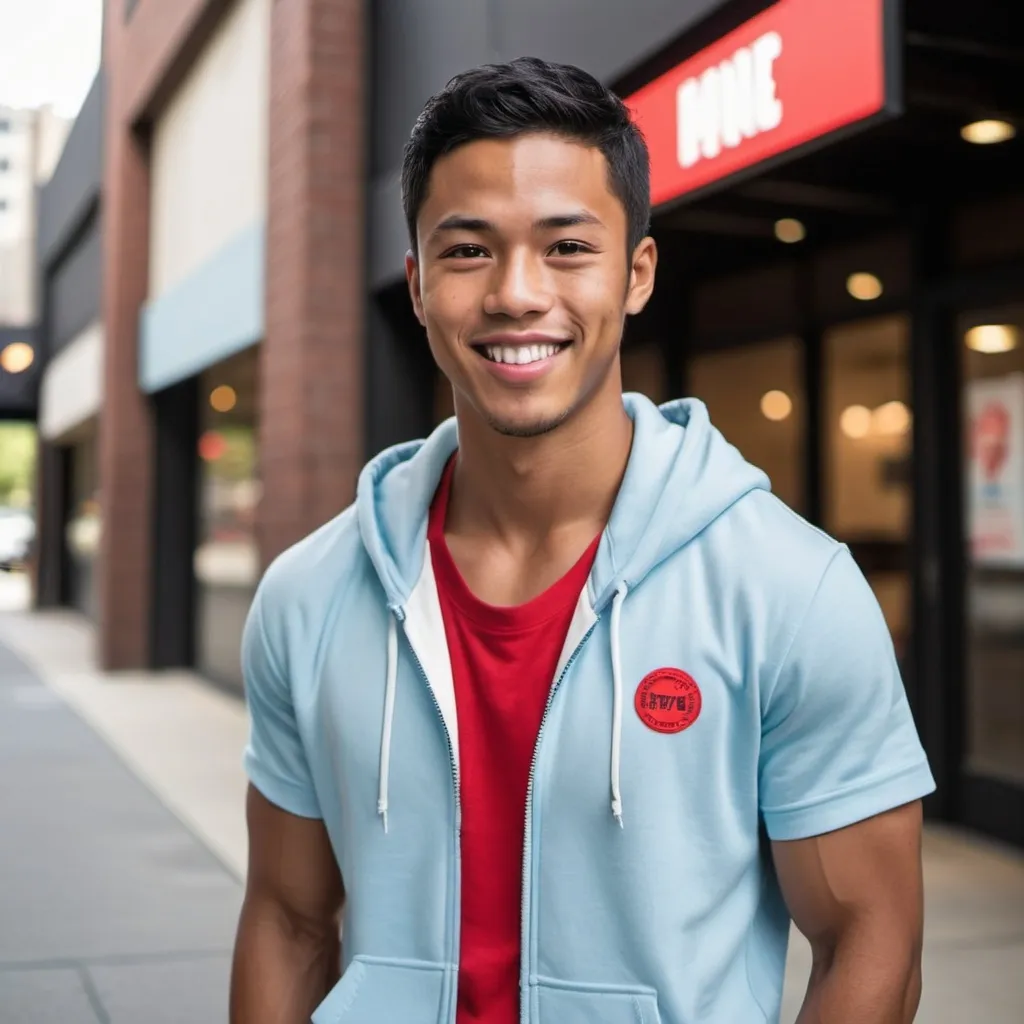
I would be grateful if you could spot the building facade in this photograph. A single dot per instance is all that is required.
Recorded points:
(72, 345)
(852, 318)
(30, 145)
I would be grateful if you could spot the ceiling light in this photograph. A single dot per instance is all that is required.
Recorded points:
(776, 406)
(993, 338)
(855, 421)
(223, 398)
(891, 419)
(987, 133)
(865, 287)
(17, 357)
(790, 230)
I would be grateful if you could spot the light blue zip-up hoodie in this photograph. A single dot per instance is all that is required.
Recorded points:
(648, 890)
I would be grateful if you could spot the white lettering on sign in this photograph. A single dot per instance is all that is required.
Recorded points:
(730, 102)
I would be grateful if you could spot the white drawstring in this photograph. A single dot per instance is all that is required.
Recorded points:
(389, 710)
(389, 718)
(620, 596)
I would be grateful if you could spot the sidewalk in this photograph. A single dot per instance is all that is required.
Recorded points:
(124, 878)
(112, 911)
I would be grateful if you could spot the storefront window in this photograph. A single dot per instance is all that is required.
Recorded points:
(993, 360)
(868, 458)
(754, 396)
(226, 559)
(84, 524)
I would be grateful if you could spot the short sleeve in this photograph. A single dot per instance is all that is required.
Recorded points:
(275, 760)
(838, 742)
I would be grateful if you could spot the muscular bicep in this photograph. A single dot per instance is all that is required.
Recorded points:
(292, 865)
(863, 877)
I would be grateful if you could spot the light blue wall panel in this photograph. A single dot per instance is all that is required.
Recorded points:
(214, 313)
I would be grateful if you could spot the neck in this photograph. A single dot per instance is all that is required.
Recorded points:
(531, 487)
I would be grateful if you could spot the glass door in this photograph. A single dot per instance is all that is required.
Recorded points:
(755, 397)
(993, 432)
(867, 452)
(226, 562)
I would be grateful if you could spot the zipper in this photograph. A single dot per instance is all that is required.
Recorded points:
(525, 927)
(453, 957)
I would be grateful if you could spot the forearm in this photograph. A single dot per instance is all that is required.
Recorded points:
(281, 972)
(863, 980)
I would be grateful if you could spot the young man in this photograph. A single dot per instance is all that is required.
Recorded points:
(567, 715)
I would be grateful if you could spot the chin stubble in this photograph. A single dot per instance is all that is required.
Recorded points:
(529, 429)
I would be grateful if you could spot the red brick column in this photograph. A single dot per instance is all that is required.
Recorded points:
(311, 402)
(141, 57)
(125, 432)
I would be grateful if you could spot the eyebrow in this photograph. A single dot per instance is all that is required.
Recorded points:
(460, 222)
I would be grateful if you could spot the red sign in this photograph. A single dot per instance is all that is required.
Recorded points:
(798, 71)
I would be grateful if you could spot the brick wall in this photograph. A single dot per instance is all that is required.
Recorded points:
(311, 402)
(137, 55)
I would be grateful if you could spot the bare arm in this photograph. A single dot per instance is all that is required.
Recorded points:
(857, 895)
(287, 952)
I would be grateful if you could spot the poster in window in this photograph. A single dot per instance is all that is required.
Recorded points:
(995, 471)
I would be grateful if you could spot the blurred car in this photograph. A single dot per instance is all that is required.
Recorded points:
(17, 532)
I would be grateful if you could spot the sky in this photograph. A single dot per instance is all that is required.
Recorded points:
(49, 52)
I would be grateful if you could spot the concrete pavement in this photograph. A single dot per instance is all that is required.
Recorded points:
(125, 798)
(112, 911)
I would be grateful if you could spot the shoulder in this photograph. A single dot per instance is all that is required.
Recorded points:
(296, 571)
(771, 553)
(302, 585)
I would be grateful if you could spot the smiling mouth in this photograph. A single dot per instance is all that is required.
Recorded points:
(521, 355)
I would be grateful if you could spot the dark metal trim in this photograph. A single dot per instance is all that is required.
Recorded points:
(175, 525)
(815, 451)
(938, 671)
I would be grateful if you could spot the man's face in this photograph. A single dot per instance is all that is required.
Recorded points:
(523, 279)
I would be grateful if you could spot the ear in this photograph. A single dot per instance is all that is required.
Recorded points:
(412, 277)
(641, 276)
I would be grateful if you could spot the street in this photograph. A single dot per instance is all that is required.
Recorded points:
(125, 848)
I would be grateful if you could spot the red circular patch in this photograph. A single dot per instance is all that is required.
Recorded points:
(668, 700)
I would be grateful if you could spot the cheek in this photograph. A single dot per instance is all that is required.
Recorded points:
(597, 302)
(448, 305)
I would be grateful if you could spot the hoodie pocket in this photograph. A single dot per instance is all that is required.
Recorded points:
(380, 991)
(571, 1003)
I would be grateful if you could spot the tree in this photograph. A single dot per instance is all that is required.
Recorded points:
(17, 463)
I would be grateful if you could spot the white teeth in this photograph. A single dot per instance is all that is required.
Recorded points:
(520, 355)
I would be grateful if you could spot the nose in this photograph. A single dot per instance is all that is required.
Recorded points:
(520, 286)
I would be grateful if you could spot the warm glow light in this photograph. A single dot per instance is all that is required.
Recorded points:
(790, 230)
(223, 398)
(891, 419)
(993, 338)
(865, 287)
(17, 357)
(776, 405)
(212, 446)
(855, 421)
(987, 133)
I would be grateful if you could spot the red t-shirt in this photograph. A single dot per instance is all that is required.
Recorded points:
(503, 665)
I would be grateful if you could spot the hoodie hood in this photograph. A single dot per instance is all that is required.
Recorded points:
(681, 476)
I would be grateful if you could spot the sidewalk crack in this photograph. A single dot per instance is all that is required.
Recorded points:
(93, 995)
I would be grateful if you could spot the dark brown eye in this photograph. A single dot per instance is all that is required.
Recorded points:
(569, 249)
(466, 252)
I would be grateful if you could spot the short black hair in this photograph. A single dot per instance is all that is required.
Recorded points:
(500, 101)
